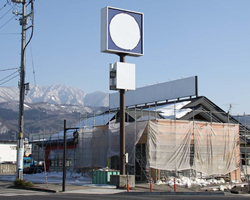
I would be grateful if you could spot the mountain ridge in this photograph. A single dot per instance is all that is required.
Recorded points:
(45, 108)
(56, 94)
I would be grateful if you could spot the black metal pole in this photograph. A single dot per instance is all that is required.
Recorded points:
(122, 125)
(64, 156)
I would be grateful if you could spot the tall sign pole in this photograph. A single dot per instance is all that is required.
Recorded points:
(122, 34)
(122, 125)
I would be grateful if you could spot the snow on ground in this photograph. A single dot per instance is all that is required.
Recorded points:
(56, 178)
(210, 184)
(85, 180)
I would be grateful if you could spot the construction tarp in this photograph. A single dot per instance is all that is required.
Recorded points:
(216, 149)
(205, 147)
(98, 144)
(169, 146)
(133, 133)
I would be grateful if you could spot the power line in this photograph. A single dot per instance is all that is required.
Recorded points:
(2, 70)
(7, 22)
(4, 5)
(8, 76)
(9, 79)
(8, 11)
(33, 65)
(9, 33)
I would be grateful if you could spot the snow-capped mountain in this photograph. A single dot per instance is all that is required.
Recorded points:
(46, 107)
(55, 94)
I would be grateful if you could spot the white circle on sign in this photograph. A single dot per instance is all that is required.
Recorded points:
(124, 31)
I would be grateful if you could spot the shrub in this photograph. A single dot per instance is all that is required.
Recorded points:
(29, 184)
(19, 183)
(23, 183)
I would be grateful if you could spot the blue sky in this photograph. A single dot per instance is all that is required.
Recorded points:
(207, 38)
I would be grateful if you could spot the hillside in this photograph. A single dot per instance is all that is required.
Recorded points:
(45, 108)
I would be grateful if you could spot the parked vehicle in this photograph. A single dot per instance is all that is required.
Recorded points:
(31, 166)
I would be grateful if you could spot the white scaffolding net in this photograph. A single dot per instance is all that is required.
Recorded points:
(133, 132)
(216, 147)
(92, 147)
(169, 146)
(98, 144)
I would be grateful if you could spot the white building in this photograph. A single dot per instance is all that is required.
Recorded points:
(8, 151)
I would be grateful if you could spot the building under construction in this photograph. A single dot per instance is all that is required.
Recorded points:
(189, 136)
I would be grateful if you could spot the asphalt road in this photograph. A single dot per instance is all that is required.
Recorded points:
(120, 197)
(11, 193)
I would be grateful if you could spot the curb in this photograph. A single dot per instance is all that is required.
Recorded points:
(174, 193)
(239, 192)
(36, 189)
(132, 193)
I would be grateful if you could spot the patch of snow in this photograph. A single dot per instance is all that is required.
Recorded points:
(53, 177)
(89, 123)
(96, 120)
(3, 129)
(159, 182)
(170, 110)
(25, 105)
(222, 187)
(203, 183)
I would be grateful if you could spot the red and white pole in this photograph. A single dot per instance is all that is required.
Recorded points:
(127, 184)
(151, 186)
(174, 185)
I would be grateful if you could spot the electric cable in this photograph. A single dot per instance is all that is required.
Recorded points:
(2, 70)
(9, 79)
(8, 76)
(29, 3)
(8, 21)
(4, 5)
(7, 11)
(34, 75)
(32, 31)
(9, 33)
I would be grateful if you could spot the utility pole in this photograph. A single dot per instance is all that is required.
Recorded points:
(22, 85)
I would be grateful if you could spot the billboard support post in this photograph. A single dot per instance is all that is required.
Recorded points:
(122, 34)
(122, 125)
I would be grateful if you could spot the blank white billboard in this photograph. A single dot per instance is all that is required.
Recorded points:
(184, 87)
(124, 76)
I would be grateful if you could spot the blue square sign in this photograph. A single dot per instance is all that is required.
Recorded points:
(121, 31)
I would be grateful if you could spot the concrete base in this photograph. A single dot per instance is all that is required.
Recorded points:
(120, 181)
